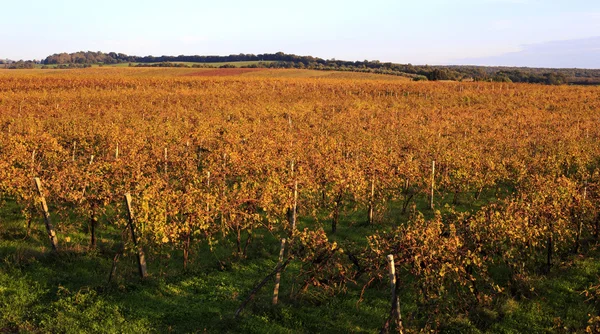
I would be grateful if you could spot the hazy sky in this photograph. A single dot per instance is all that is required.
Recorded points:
(491, 32)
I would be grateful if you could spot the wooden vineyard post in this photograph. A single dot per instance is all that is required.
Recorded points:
(93, 224)
(113, 269)
(278, 275)
(395, 314)
(223, 218)
(432, 183)
(371, 201)
(293, 213)
(395, 299)
(166, 160)
(580, 226)
(140, 252)
(279, 268)
(74, 148)
(208, 189)
(44, 207)
(549, 249)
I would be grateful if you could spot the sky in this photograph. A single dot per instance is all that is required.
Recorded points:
(543, 33)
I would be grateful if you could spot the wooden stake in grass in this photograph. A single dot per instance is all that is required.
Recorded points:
(207, 187)
(278, 275)
(261, 284)
(93, 224)
(580, 227)
(293, 211)
(44, 207)
(371, 201)
(165, 160)
(140, 252)
(113, 269)
(74, 148)
(395, 314)
(432, 183)
(549, 249)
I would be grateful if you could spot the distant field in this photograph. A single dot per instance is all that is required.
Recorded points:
(125, 70)
(234, 63)
(297, 73)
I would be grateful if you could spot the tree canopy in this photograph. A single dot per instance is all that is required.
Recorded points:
(283, 60)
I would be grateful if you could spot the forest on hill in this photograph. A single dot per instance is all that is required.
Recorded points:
(283, 60)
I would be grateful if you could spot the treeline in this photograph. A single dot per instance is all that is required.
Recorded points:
(579, 76)
(283, 60)
(27, 64)
(88, 57)
(67, 66)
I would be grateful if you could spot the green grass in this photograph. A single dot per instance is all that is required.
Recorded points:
(69, 293)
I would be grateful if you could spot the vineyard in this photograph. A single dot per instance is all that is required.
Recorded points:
(136, 201)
